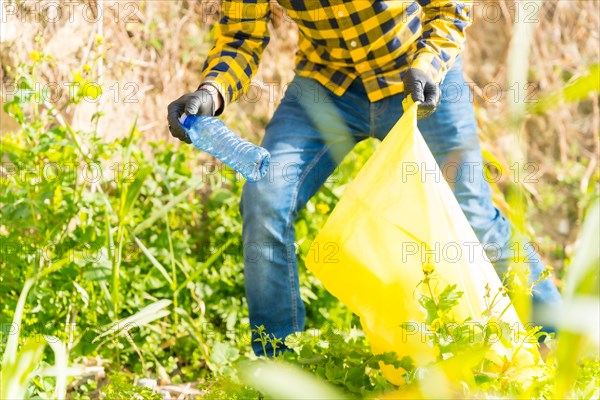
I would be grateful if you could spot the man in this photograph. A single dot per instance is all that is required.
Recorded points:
(357, 60)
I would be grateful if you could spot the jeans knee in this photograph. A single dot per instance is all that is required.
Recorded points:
(263, 205)
(254, 199)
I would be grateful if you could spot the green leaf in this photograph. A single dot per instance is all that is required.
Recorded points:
(153, 260)
(449, 298)
(192, 185)
(10, 351)
(60, 365)
(15, 376)
(223, 353)
(134, 189)
(430, 307)
(143, 317)
(574, 92)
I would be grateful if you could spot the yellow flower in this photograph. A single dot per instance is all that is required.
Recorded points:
(99, 39)
(91, 90)
(35, 56)
(77, 78)
(322, 208)
(86, 67)
(428, 268)
(58, 198)
(83, 218)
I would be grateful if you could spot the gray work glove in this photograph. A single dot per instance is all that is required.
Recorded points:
(423, 88)
(199, 102)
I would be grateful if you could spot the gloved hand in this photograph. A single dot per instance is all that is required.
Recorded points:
(423, 88)
(200, 102)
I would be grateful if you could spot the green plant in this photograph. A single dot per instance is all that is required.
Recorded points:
(121, 387)
(104, 231)
(344, 360)
(19, 367)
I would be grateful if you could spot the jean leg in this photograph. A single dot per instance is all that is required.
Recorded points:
(306, 140)
(451, 134)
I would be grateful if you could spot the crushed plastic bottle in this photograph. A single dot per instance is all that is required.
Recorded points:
(211, 135)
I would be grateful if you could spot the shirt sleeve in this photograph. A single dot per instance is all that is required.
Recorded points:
(241, 37)
(444, 25)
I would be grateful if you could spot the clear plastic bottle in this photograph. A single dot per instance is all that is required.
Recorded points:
(211, 135)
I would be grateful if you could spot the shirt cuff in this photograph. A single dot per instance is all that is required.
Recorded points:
(221, 88)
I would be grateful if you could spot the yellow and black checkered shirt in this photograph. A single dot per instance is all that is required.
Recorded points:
(342, 40)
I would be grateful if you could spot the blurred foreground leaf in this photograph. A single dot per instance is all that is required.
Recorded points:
(280, 380)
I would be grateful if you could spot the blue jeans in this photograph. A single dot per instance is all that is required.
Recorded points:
(309, 135)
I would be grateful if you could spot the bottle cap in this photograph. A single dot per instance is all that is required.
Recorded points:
(182, 118)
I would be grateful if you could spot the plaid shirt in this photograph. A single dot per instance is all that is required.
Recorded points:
(340, 40)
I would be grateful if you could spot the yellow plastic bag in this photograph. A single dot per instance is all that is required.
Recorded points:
(396, 220)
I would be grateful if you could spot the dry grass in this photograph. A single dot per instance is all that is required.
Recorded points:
(154, 50)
